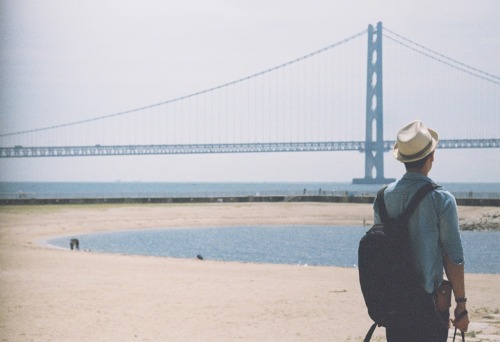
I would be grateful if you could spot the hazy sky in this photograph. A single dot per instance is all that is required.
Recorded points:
(69, 60)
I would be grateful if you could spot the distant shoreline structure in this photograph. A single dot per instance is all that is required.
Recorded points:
(482, 202)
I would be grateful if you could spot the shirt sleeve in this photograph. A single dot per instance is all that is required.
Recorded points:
(449, 233)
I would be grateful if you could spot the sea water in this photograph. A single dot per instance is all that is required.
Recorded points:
(60, 190)
(296, 245)
(311, 245)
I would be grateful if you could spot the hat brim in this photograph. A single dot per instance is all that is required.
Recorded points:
(421, 155)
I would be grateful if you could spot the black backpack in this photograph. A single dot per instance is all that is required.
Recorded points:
(386, 268)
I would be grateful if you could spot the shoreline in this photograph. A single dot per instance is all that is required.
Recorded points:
(49, 294)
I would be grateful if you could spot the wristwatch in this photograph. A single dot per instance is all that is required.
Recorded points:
(461, 299)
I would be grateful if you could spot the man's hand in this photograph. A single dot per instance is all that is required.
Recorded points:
(461, 320)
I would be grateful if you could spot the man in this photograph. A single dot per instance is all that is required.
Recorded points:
(434, 235)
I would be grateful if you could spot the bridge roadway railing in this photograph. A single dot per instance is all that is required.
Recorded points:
(111, 150)
(115, 150)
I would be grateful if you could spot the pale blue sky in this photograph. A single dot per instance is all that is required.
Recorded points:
(69, 60)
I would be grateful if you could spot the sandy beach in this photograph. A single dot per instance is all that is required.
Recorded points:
(49, 294)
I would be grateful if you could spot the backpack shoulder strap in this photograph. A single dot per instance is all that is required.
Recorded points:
(419, 195)
(382, 209)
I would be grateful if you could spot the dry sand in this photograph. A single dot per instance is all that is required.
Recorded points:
(48, 294)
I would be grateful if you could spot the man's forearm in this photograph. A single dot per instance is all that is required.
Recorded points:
(455, 274)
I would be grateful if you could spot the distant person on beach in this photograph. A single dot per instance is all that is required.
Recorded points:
(74, 244)
(435, 241)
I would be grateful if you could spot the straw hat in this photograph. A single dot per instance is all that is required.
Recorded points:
(415, 142)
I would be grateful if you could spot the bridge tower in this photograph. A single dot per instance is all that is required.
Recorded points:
(374, 149)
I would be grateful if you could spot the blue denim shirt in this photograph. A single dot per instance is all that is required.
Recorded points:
(433, 227)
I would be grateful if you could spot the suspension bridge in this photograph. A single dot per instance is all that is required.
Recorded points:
(348, 96)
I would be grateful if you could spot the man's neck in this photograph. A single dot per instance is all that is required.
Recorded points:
(421, 171)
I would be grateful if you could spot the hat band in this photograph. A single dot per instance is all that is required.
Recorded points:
(416, 155)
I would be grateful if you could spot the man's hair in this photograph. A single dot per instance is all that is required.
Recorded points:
(417, 165)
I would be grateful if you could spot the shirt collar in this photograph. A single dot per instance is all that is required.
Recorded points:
(416, 176)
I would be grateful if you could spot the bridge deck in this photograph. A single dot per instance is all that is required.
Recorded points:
(98, 150)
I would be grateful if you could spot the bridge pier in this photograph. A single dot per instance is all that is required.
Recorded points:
(374, 149)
